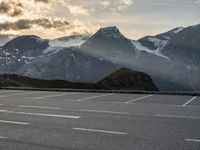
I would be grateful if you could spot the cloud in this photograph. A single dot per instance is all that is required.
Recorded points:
(43, 1)
(54, 18)
(24, 24)
(127, 2)
(115, 6)
(197, 2)
(11, 8)
(78, 10)
(4, 8)
(105, 3)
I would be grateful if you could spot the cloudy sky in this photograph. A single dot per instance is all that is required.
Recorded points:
(56, 18)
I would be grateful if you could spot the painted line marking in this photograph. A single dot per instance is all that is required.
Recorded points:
(137, 99)
(189, 101)
(92, 97)
(192, 140)
(101, 131)
(168, 105)
(14, 122)
(39, 107)
(102, 111)
(2, 110)
(40, 114)
(19, 94)
(174, 116)
(1, 137)
(55, 95)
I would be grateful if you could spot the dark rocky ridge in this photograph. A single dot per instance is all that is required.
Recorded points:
(126, 79)
(123, 79)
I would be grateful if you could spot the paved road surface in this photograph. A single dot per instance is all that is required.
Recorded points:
(98, 121)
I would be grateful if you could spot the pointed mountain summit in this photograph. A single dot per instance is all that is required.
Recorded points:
(110, 32)
(110, 44)
(27, 45)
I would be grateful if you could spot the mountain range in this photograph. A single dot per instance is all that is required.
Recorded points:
(171, 58)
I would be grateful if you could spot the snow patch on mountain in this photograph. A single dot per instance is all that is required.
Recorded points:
(160, 44)
(140, 47)
(177, 30)
(52, 50)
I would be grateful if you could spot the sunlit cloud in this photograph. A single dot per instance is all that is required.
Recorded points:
(43, 1)
(11, 8)
(197, 2)
(135, 18)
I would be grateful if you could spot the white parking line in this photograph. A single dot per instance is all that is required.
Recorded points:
(39, 107)
(13, 122)
(192, 140)
(137, 99)
(92, 97)
(101, 131)
(19, 94)
(108, 112)
(40, 114)
(175, 116)
(189, 101)
(55, 95)
(1, 137)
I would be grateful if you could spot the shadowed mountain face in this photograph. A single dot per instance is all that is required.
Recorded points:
(110, 44)
(68, 64)
(172, 58)
(185, 46)
(27, 45)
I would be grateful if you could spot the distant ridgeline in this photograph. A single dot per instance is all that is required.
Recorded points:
(123, 79)
(172, 58)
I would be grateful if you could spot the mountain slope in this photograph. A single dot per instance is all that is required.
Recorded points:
(185, 45)
(68, 64)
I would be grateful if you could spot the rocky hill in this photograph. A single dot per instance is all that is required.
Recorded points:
(126, 79)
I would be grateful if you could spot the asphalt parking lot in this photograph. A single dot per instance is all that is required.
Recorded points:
(36, 120)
